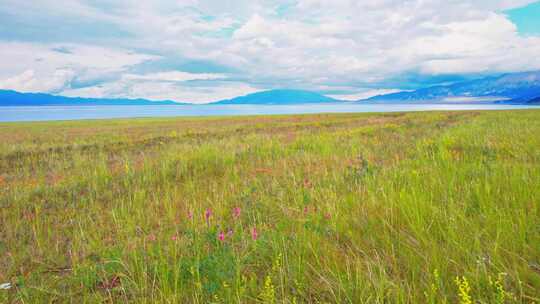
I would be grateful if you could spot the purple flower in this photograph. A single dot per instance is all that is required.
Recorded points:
(254, 234)
(236, 212)
(208, 215)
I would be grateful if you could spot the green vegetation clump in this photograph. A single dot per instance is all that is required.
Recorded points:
(439, 207)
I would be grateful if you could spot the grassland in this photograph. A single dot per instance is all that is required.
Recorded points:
(356, 208)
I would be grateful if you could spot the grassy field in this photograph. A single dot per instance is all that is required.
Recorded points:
(440, 207)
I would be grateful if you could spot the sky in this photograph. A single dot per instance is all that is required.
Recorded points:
(205, 50)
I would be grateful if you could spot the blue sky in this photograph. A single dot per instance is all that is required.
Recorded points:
(527, 18)
(204, 50)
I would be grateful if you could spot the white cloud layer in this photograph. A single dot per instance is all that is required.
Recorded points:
(363, 95)
(172, 76)
(344, 47)
(164, 91)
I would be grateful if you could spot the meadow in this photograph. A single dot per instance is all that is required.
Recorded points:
(432, 207)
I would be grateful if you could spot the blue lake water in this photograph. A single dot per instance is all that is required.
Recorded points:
(44, 113)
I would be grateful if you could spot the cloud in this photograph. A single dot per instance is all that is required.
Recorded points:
(31, 67)
(173, 76)
(29, 82)
(363, 95)
(20, 82)
(203, 49)
(164, 90)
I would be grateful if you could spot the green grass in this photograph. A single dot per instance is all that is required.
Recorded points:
(440, 207)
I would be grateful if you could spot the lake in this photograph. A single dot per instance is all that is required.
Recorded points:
(10, 114)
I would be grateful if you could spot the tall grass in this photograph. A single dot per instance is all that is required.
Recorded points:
(355, 208)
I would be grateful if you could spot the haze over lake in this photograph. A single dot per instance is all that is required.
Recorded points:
(45, 113)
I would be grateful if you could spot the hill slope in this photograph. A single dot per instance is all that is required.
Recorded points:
(280, 97)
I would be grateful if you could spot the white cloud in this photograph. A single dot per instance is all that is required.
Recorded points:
(174, 76)
(165, 91)
(488, 45)
(364, 94)
(29, 82)
(31, 67)
(19, 82)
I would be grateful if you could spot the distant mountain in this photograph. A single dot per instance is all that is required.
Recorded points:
(535, 100)
(12, 98)
(280, 97)
(521, 88)
(516, 87)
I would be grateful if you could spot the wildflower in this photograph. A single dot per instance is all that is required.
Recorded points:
(464, 290)
(190, 215)
(208, 215)
(327, 216)
(230, 233)
(152, 237)
(5, 286)
(221, 236)
(110, 283)
(236, 212)
(254, 234)
(174, 238)
(268, 294)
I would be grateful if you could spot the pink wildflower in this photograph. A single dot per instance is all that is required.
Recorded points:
(254, 234)
(190, 215)
(174, 238)
(152, 237)
(221, 236)
(236, 212)
(208, 215)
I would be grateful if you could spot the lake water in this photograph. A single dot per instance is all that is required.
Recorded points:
(100, 112)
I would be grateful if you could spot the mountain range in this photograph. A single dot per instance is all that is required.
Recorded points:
(280, 97)
(522, 88)
(13, 98)
(511, 88)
